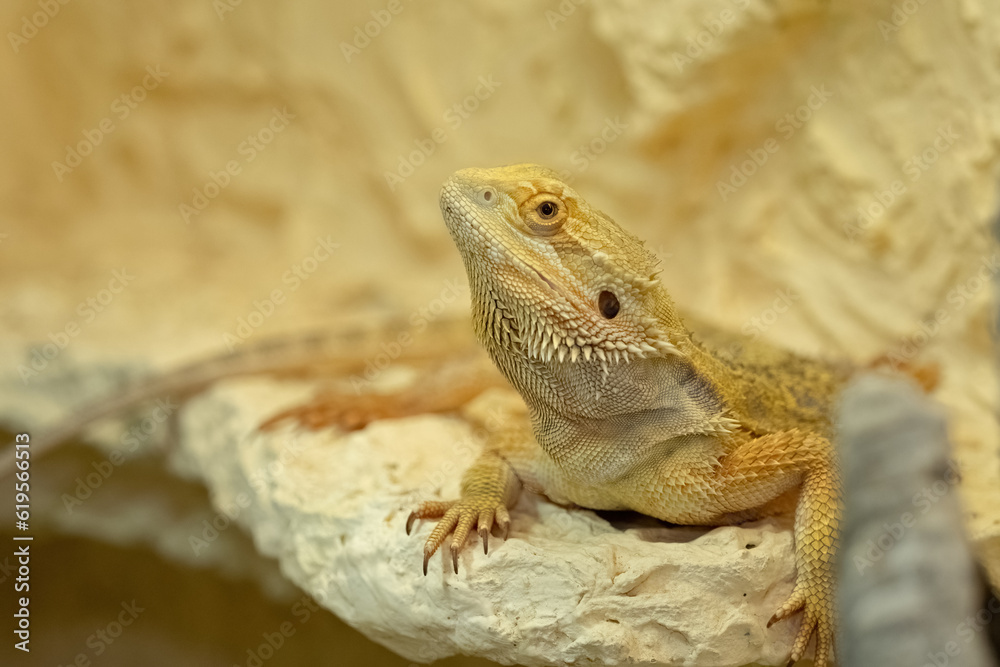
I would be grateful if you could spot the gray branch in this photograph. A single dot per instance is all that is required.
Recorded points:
(909, 594)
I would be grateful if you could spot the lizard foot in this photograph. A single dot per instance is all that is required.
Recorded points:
(816, 603)
(457, 518)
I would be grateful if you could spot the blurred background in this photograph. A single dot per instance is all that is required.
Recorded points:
(181, 178)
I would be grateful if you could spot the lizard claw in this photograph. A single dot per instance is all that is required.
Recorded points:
(815, 601)
(484, 535)
(428, 510)
(458, 518)
(503, 520)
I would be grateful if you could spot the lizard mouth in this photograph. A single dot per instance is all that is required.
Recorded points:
(456, 215)
(545, 280)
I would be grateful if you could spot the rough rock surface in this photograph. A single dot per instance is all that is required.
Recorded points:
(567, 586)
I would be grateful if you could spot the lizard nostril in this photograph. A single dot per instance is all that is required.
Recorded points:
(487, 197)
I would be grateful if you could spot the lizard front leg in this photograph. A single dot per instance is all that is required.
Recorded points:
(744, 479)
(754, 470)
(489, 489)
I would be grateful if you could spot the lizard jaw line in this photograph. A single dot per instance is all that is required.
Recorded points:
(545, 280)
(458, 215)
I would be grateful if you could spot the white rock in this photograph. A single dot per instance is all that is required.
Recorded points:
(567, 586)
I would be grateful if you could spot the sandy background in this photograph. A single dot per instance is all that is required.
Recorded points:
(821, 174)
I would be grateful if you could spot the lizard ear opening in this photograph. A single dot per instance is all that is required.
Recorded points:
(608, 304)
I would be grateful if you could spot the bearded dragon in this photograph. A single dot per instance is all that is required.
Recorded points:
(628, 411)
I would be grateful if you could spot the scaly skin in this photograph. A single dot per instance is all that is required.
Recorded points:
(627, 410)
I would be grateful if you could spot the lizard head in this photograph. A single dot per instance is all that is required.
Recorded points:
(549, 274)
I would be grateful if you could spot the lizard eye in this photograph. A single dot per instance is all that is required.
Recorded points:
(487, 196)
(544, 214)
(547, 210)
(608, 304)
